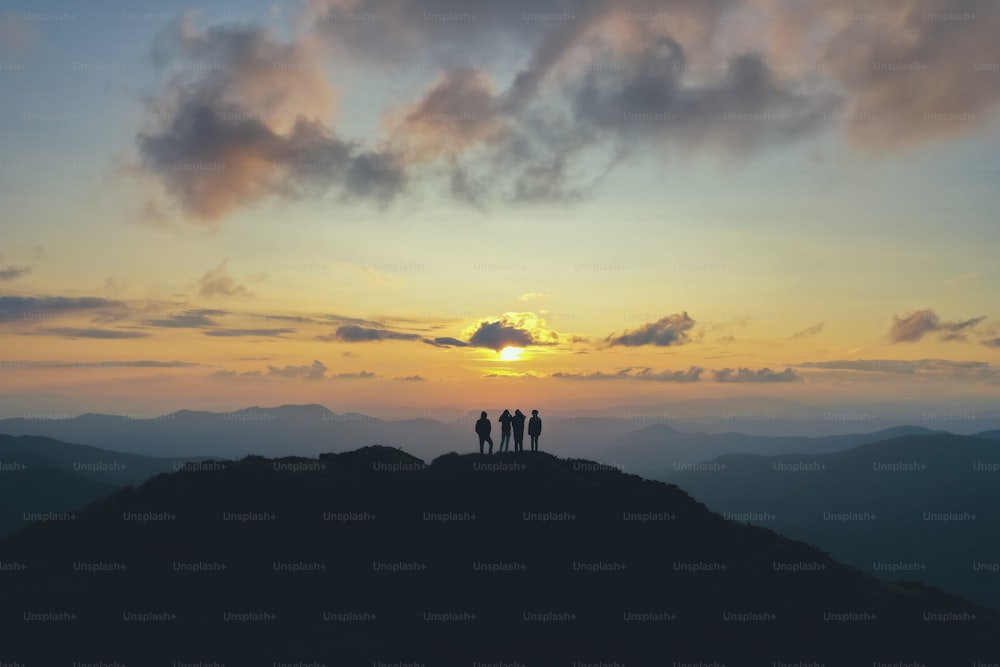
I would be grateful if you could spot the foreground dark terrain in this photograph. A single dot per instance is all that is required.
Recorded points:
(370, 557)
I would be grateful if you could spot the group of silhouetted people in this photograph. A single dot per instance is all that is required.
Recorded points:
(510, 424)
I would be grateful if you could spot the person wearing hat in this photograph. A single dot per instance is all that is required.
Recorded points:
(534, 429)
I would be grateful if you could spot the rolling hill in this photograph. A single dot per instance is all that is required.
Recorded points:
(373, 557)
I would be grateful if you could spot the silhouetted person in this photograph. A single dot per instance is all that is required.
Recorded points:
(517, 422)
(505, 420)
(534, 429)
(483, 428)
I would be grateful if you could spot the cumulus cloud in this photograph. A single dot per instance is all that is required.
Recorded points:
(679, 76)
(670, 330)
(216, 282)
(916, 325)
(808, 332)
(242, 120)
(512, 330)
(759, 375)
(315, 371)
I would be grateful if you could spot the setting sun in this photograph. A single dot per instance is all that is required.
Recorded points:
(511, 353)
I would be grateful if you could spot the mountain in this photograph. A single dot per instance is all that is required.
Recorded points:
(930, 503)
(651, 450)
(372, 557)
(305, 430)
(39, 475)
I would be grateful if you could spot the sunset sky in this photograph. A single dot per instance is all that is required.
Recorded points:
(438, 203)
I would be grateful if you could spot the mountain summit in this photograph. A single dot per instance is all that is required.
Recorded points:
(372, 556)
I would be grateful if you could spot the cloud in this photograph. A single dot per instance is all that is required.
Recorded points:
(808, 332)
(48, 308)
(232, 333)
(361, 375)
(241, 122)
(413, 378)
(670, 330)
(459, 111)
(530, 296)
(760, 375)
(693, 374)
(142, 363)
(72, 332)
(679, 77)
(938, 42)
(354, 334)
(236, 375)
(498, 335)
(446, 341)
(217, 283)
(511, 330)
(653, 100)
(918, 324)
(316, 371)
(191, 319)
(13, 272)
(907, 366)
(992, 342)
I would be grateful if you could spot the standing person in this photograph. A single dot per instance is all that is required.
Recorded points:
(534, 429)
(505, 420)
(483, 428)
(517, 422)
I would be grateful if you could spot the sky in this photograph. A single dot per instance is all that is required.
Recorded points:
(432, 203)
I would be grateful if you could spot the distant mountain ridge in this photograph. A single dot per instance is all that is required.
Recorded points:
(933, 500)
(308, 430)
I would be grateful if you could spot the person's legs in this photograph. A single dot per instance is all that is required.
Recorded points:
(490, 440)
(482, 440)
(534, 443)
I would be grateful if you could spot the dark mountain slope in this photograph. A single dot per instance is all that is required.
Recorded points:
(371, 557)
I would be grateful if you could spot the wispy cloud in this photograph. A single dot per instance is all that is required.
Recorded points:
(216, 282)
(808, 332)
(670, 330)
(693, 374)
(77, 332)
(916, 325)
(13, 272)
(48, 308)
(759, 375)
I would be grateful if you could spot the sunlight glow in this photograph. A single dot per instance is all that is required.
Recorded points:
(511, 353)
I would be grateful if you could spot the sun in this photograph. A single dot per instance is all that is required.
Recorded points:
(511, 353)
